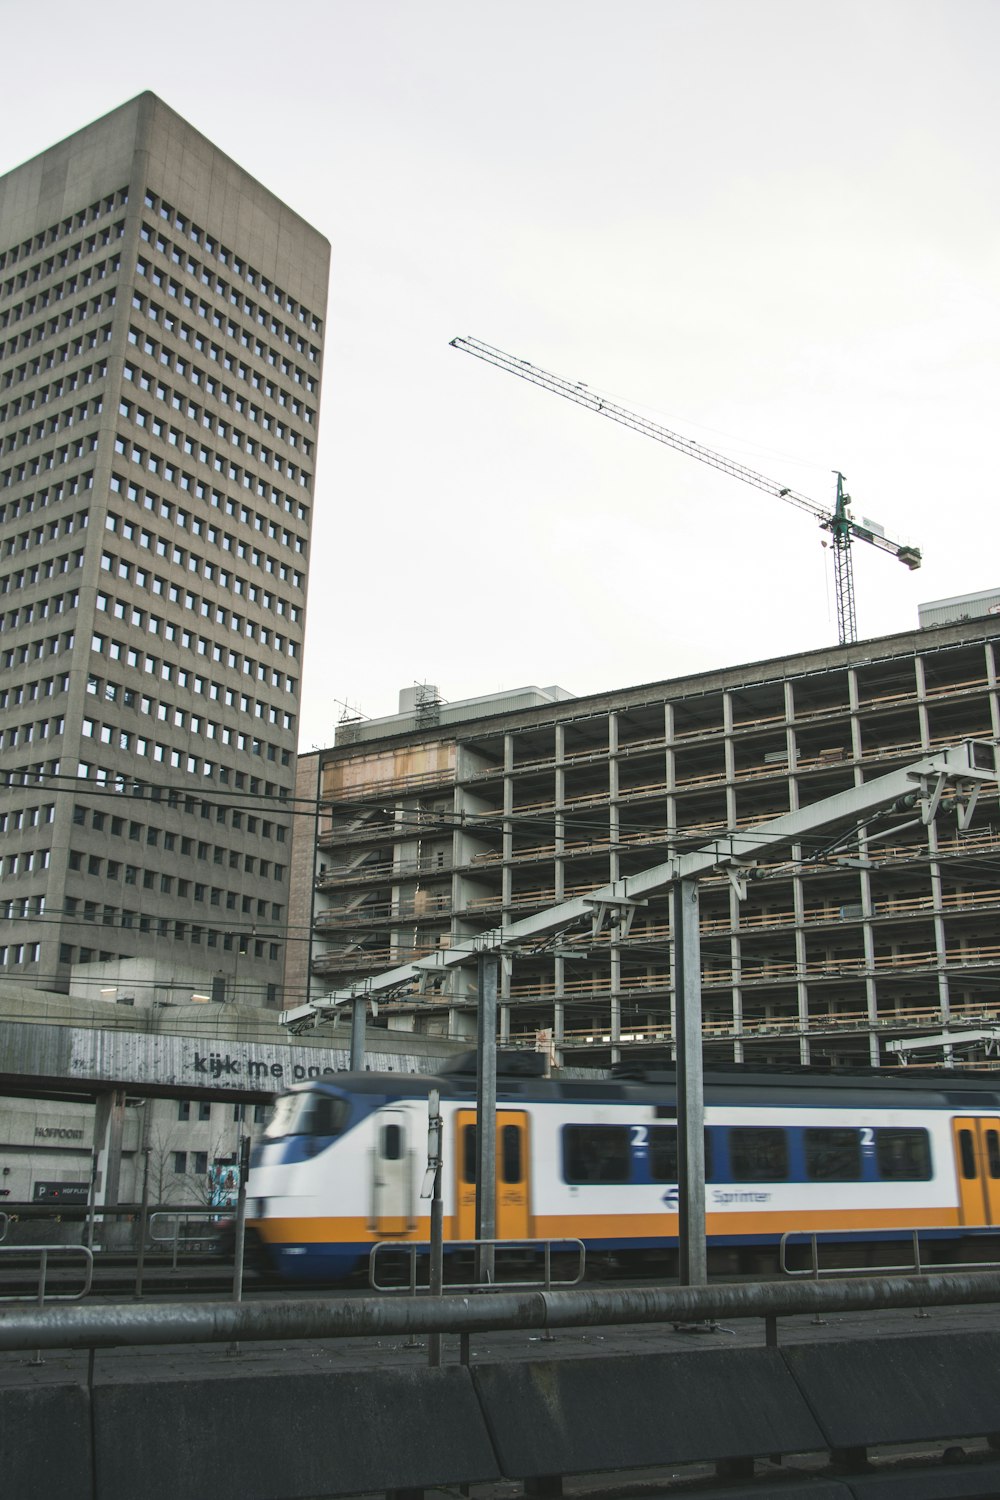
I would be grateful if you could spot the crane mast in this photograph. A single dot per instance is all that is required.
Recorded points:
(840, 523)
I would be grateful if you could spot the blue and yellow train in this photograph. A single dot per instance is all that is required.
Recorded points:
(877, 1152)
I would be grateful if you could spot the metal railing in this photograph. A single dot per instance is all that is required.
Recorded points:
(917, 1266)
(418, 1250)
(181, 1220)
(90, 1327)
(41, 1294)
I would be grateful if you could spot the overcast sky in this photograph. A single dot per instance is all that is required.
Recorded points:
(771, 225)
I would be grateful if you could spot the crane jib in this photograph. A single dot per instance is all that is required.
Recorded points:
(840, 523)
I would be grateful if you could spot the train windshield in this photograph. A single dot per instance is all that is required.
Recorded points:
(306, 1113)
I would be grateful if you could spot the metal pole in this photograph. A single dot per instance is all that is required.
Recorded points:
(358, 1010)
(436, 1269)
(243, 1158)
(486, 1116)
(143, 1221)
(692, 1253)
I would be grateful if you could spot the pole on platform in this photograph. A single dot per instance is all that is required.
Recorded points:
(140, 1261)
(486, 1115)
(692, 1252)
(433, 1182)
(240, 1236)
(359, 1007)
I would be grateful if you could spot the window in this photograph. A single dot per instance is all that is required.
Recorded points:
(663, 1153)
(511, 1169)
(903, 1155)
(596, 1153)
(199, 1163)
(184, 1109)
(758, 1154)
(832, 1155)
(205, 1109)
(180, 1162)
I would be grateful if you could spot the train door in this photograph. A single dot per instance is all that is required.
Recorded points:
(392, 1177)
(977, 1159)
(513, 1186)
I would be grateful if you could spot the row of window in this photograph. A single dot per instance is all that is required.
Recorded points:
(92, 307)
(24, 862)
(52, 567)
(188, 848)
(21, 907)
(151, 422)
(37, 536)
(132, 786)
(42, 395)
(19, 818)
(92, 214)
(13, 736)
(49, 358)
(172, 324)
(181, 932)
(753, 1153)
(138, 744)
(143, 619)
(225, 257)
(41, 463)
(220, 463)
(166, 713)
(19, 953)
(67, 416)
(223, 393)
(226, 504)
(217, 812)
(60, 290)
(37, 650)
(33, 692)
(166, 671)
(39, 609)
(62, 489)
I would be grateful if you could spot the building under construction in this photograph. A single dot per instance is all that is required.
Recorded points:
(864, 945)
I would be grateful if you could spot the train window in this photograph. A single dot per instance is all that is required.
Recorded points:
(510, 1154)
(832, 1155)
(904, 1155)
(758, 1153)
(663, 1154)
(967, 1154)
(469, 1162)
(391, 1143)
(993, 1152)
(306, 1113)
(596, 1153)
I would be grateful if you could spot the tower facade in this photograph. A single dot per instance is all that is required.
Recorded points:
(161, 338)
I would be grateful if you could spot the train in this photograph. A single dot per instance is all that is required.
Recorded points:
(869, 1153)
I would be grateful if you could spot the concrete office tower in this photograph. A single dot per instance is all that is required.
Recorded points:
(161, 339)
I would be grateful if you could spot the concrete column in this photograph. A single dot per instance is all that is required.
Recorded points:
(940, 937)
(109, 1123)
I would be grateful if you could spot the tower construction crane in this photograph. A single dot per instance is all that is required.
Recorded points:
(840, 522)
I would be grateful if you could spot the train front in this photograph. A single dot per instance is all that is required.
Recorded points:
(305, 1201)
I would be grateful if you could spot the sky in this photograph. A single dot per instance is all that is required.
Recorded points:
(772, 226)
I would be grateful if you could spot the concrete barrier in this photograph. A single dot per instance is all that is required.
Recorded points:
(45, 1442)
(280, 1437)
(900, 1390)
(554, 1417)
